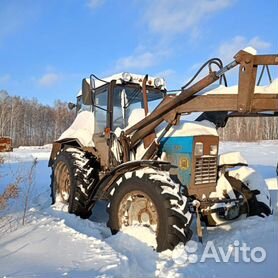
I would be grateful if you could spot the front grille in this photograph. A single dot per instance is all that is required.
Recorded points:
(205, 169)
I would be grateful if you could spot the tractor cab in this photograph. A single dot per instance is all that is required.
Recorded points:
(111, 100)
(114, 98)
(106, 105)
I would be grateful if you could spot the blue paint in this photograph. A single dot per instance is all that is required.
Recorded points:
(179, 153)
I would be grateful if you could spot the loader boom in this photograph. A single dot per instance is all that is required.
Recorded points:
(244, 102)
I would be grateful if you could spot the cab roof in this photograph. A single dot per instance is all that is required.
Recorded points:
(135, 79)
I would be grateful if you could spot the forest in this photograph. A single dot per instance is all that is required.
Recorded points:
(30, 123)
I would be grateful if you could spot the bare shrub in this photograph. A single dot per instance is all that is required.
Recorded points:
(30, 183)
(11, 192)
(15, 190)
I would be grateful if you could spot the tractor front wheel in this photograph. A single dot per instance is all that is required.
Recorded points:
(153, 203)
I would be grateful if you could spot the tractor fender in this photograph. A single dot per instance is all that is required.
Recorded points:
(81, 130)
(79, 134)
(107, 182)
(58, 145)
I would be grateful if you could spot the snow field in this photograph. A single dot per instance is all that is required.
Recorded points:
(54, 243)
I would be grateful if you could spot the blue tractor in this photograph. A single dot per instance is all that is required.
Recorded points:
(130, 144)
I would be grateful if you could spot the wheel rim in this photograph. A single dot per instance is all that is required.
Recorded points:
(137, 208)
(62, 182)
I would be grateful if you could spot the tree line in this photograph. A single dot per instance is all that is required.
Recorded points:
(29, 122)
(250, 129)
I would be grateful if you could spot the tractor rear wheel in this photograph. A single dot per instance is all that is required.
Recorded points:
(74, 174)
(156, 204)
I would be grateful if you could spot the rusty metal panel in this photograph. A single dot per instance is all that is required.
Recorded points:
(149, 138)
(263, 102)
(6, 144)
(103, 150)
(247, 80)
(209, 103)
(266, 60)
(260, 103)
(209, 185)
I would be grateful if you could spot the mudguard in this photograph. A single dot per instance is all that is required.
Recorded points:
(79, 134)
(106, 183)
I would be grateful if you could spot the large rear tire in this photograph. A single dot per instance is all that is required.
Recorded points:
(74, 174)
(151, 202)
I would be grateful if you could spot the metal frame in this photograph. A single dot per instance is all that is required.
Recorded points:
(187, 101)
(170, 109)
(197, 190)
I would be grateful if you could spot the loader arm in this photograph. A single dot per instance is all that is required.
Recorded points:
(244, 102)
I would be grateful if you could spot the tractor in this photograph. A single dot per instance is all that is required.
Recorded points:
(131, 145)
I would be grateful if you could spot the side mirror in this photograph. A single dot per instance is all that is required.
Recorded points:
(86, 93)
(71, 105)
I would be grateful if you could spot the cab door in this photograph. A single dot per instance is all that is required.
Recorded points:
(102, 119)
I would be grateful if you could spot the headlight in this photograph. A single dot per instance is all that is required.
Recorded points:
(199, 148)
(213, 150)
(159, 82)
(126, 76)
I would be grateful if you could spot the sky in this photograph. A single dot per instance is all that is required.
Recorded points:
(47, 47)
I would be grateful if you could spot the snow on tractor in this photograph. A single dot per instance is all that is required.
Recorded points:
(129, 145)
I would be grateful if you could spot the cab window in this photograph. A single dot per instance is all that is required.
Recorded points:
(129, 98)
(100, 108)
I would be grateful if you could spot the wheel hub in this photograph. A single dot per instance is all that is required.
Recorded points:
(62, 182)
(137, 208)
(145, 216)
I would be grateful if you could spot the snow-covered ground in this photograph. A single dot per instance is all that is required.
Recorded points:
(55, 244)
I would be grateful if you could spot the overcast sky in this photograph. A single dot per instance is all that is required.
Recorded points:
(48, 46)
